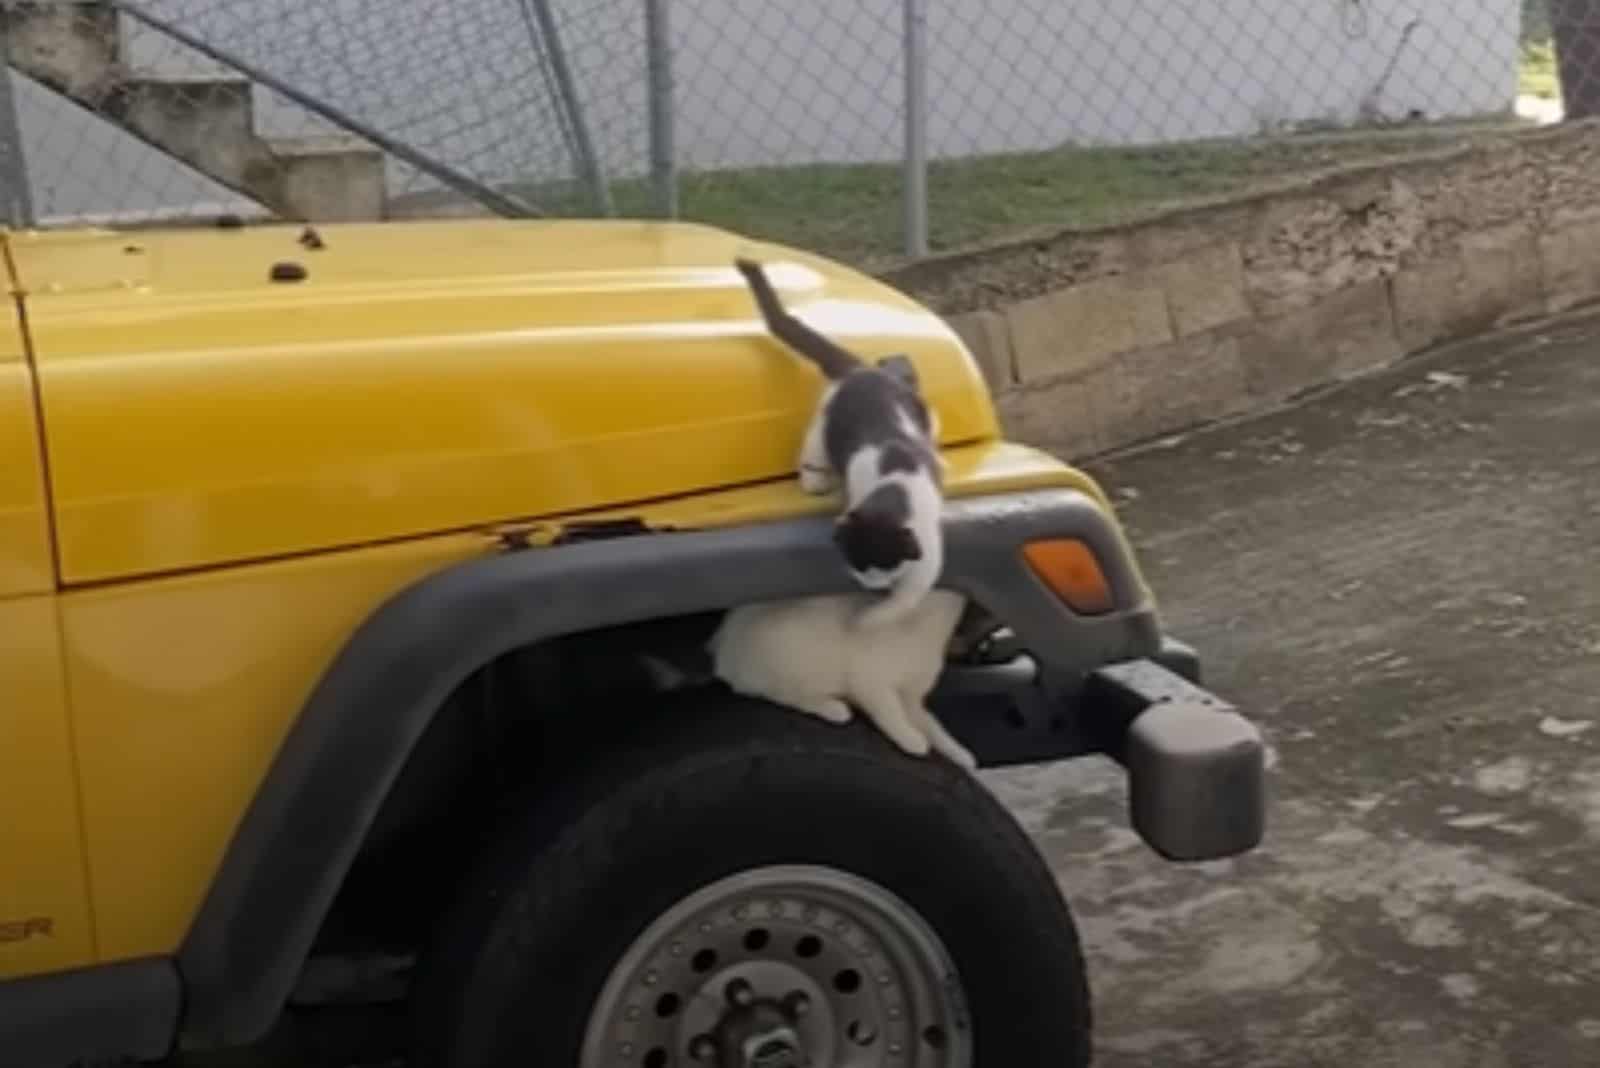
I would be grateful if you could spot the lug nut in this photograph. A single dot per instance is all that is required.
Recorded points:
(797, 1004)
(703, 1048)
(740, 993)
(861, 1033)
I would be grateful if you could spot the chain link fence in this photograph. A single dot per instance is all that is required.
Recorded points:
(864, 128)
(1041, 114)
(131, 112)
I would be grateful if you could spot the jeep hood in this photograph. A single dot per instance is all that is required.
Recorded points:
(421, 378)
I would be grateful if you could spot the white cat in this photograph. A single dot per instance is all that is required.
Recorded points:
(873, 430)
(813, 654)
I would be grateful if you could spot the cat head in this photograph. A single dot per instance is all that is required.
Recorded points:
(875, 548)
(875, 537)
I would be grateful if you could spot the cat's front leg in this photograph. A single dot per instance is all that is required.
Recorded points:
(817, 481)
(944, 742)
(817, 476)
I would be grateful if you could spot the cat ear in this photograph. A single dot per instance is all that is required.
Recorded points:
(900, 366)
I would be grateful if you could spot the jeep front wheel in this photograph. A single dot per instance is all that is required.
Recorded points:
(748, 887)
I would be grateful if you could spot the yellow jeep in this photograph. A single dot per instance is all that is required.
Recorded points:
(325, 560)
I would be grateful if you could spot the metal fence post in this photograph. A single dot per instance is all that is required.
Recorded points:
(16, 198)
(1575, 25)
(915, 191)
(663, 109)
(588, 160)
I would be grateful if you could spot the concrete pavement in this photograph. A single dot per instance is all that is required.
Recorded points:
(1399, 580)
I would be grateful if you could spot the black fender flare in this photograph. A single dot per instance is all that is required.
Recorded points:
(300, 834)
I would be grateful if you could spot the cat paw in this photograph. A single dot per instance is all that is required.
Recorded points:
(956, 753)
(944, 742)
(833, 710)
(827, 708)
(910, 741)
(816, 481)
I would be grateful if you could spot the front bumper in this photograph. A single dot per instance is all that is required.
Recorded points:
(1196, 768)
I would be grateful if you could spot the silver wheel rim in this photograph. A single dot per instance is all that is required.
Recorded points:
(783, 967)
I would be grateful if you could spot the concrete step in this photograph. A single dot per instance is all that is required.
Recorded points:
(208, 123)
(75, 49)
(325, 179)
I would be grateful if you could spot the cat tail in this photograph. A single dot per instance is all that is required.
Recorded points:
(834, 360)
(904, 599)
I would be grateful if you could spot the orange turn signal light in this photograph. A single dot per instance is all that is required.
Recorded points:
(1070, 569)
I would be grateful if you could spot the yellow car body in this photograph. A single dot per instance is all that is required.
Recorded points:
(267, 503)
(208, 479)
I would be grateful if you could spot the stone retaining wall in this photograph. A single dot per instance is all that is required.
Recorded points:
(1095, 340)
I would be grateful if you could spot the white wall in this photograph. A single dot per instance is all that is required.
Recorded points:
(768, 83)
(1029, 74)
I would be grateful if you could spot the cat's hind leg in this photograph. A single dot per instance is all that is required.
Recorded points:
(891, 715)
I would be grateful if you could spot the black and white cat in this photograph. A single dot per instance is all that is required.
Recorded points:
(829, 655)
(873, 430)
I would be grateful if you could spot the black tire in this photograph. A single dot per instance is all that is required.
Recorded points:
(727, 786)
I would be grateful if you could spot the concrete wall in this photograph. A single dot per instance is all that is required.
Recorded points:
(1098, 340)
(769, 83)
